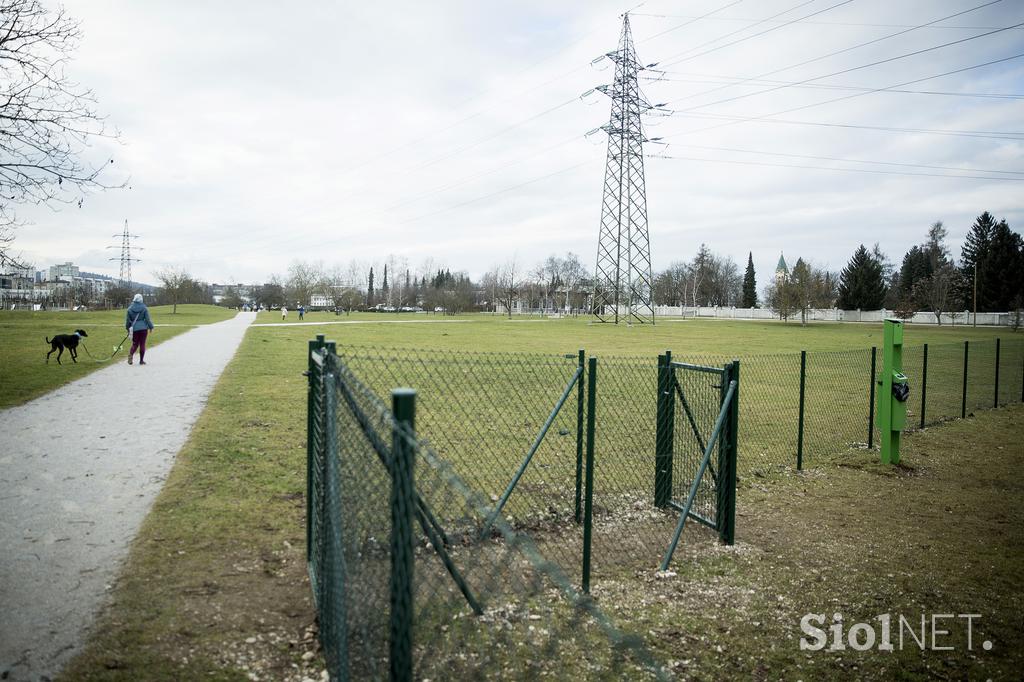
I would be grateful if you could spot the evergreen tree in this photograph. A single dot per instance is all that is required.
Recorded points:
(861, 283)
(385, 290)
(974, 258)
(916, 267)
(994, 254)
(1005, 269)
(749, 284)
(369, 290)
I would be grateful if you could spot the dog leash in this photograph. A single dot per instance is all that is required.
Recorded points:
(116, 349)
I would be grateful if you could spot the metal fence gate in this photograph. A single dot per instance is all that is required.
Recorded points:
(698, 409)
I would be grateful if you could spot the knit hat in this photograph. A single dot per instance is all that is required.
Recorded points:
(137, 298)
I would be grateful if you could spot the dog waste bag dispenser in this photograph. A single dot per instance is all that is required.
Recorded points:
(892, 398)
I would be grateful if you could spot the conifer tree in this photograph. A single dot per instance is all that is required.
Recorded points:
(861, 283)
(749, 284)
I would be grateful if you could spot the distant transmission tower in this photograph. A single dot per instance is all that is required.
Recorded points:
(125, 277)
(622, 286)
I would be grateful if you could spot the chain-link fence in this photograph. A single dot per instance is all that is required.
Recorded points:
(499, 452)
(407, 585)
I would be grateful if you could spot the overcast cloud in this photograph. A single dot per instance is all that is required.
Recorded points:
(257, 133)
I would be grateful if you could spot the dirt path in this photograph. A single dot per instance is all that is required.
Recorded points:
(79, 469)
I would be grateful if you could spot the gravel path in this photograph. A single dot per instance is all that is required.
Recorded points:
(79, 469)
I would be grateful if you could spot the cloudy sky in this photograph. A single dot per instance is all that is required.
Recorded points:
(258, 133)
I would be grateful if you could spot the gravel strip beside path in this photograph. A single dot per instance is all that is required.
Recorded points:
(79, 469)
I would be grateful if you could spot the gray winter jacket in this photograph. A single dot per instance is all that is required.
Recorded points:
(139, 314)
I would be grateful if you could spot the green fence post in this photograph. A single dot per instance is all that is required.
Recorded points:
(963, 404)
(403, 454)
(996, 401)
(727, 465)
(800, 425)
(871, 399)
(924, 382)
(664, 432)
(588, 497)
(314, 345)
(332, 583)
(578, 514)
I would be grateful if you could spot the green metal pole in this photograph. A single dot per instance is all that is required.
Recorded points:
(892, 414)
(588, 498)
(310, 407)
(727, 476)
(924, 382)
(871, 399)
(664, 432)
(800, 425)
(996, 401)
(963, 404)
(403, 406)
(332, 578)
(578, 512)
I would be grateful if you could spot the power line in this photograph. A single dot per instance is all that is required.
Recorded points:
(465, 119)
(815, 23)
(846, 49)
(861, 94)
(768, 30)
(827, 168)
(865, 66)
(842, 160)
(493, 194)
(755, 82)
(691, 21)
(983, 134)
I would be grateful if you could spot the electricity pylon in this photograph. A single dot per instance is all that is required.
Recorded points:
(623, 276)
(125, 277)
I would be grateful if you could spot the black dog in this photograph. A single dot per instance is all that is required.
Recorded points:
(69, 341)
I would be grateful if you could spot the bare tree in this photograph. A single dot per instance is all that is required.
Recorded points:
(304, 279)
(47, 120)
(508, 284)
(573, 274)
(175, 282)
(936, 292)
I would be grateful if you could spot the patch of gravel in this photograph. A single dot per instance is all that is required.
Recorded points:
(79, 469)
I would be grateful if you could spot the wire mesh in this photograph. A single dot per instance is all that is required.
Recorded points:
(836, 404)
(483, 413)
(482, 607)
(698, 397)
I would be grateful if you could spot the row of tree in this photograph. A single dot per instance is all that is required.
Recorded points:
(988, 278)
(928, 278)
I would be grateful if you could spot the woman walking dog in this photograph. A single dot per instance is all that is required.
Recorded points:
(137, 321)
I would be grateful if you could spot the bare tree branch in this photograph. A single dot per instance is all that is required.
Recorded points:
(46, 119)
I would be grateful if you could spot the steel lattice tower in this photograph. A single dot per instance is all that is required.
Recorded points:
(125, 277)
(623, 276)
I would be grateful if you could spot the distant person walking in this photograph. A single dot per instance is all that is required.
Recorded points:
(302, 311)
(138, 322)
(284, 312)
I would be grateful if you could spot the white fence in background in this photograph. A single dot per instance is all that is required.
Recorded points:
(831, 315)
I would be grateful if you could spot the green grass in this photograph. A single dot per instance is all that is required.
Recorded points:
(485, 332)
(24, 373)
(220, 560)
(943, 533)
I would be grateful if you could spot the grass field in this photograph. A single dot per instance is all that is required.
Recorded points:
(24, 373)
(215, 586)
(485, 332)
